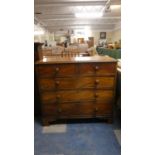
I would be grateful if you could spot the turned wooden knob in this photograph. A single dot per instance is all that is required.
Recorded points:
(96, 95)
(96, 109)
(96, 68)
(57, 69)
(58, 96)
(57, 82)
(96, 82)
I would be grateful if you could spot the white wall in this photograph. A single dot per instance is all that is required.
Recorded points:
(116, 35)
(111, 36)
(42, 37)
(46, 36)
(96, 35)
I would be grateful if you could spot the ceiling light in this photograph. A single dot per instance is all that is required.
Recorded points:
(115, 6)
(89, 15)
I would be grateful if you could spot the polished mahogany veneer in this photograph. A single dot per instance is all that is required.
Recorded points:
(76, 87)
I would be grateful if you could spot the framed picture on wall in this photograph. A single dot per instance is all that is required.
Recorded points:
(102, 35)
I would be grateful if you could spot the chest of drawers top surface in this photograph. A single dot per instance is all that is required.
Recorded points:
(59, 60)
(69, 67)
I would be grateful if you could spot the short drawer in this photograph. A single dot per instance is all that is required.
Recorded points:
(46, 84)
(65, 96)
(96, 82)
(58, 70)
(76, 83)
(85, 109)
(97, 69)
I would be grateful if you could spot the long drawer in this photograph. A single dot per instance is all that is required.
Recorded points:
(76, 83)
(73, 109)
(75, 95)
(84, 69)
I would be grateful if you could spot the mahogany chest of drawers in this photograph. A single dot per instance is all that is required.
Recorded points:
(76, 87)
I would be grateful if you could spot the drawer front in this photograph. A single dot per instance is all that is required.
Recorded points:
(77, 109)
(61, 70)
(97, 69)
(50, 109)
(103, 109)
(46, 84)
(58, 83)
(65, 96)
(68, 109)
(96, 82)
(76, 83)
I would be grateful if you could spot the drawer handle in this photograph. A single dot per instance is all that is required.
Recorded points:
(58, 96)
(96, 95)
(96, 82)
(57, 69)
(96, 68)
(57, 82)
(96, 109)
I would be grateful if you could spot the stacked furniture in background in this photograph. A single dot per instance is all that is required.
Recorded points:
(72, 50)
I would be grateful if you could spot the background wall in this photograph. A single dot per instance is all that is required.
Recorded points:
(111, 36)
(42, 37)
(116, 35)
(96, 35)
